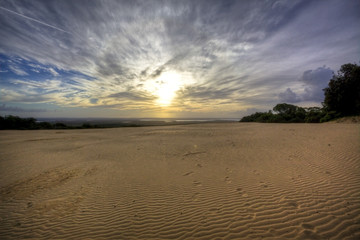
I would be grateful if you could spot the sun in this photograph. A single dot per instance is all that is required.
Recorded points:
(168, 84)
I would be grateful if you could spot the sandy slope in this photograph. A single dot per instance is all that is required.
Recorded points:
(206, 181)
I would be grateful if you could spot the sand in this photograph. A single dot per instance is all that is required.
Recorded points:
(203, 181)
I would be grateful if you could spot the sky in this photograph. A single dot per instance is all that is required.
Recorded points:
(179, 59)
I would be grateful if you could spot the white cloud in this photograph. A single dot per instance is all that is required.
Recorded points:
(53, 72)
(17, 70)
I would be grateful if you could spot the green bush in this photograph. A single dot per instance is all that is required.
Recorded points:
(287, 113)
(330, 116)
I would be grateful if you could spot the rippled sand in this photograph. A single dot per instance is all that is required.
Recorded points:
(203, 181)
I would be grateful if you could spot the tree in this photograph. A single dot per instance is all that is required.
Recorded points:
(255, 117)
(15, 122)
(284, 108)
(314, 114)
(290, 113)
(343, 92)
(60, 126)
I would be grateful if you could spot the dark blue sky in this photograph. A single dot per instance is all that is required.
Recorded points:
(170, 58)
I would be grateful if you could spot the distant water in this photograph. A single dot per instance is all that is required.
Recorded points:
(189, 119)
(133, 121)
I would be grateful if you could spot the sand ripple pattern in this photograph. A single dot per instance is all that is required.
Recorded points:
(204, 181)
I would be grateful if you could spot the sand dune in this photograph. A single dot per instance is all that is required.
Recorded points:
(203, 181)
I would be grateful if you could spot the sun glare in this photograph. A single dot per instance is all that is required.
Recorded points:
(168, 84)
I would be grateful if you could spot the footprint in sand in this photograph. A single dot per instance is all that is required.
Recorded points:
(307, 226)
(188, 173)
(293, 204)
(196, 183)
(289, 202)
(227, 180)
(195, 196)
(243, 194)
(308, 234)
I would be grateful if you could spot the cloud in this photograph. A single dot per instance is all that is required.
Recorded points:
(314, 81)
(20, 96)
(18, 71)
(4, 108)
(157, 72)
(94, 100)
(230, 53)
(53, 72)
(199, 93)
(37, 68)
(32, 19)
(131, 96)
(289, 96)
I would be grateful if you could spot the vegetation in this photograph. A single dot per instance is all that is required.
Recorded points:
(15, 122)
(342, 98)
(343, 92)
(287, 113)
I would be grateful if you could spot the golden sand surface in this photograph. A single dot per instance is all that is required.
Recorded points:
(202, 181)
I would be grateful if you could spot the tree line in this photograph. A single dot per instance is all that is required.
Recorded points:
(341, 99)
(15, 122)
(287, 113)
(11, 122)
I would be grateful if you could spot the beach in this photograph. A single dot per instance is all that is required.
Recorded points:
(199, 181)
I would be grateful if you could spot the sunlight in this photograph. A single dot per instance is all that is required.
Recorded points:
(169, 83)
